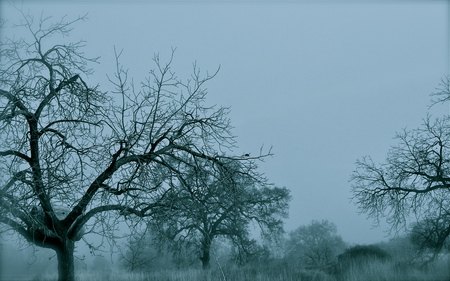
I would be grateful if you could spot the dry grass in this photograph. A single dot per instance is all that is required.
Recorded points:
(373, 271)
(391, 271)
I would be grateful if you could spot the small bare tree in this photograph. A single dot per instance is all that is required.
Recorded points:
(97, 154)
(314, 246)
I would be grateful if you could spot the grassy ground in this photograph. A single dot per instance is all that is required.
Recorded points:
(374, 271)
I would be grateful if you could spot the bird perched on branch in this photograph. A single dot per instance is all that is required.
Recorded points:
(73, 79)
(66, 82)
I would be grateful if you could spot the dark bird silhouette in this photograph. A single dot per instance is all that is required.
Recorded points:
(66, 82)
(73, 79)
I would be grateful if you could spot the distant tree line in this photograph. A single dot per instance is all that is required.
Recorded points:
(313, 252)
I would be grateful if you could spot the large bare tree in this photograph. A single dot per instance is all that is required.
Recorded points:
(72, 154)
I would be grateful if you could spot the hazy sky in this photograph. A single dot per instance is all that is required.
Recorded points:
(324, 83)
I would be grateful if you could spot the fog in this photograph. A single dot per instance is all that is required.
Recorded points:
(321, 82)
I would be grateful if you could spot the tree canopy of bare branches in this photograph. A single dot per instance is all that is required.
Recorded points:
(414, 179)
(102, 154)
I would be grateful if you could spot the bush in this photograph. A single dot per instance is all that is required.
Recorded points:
(360, 253)
(361, 257)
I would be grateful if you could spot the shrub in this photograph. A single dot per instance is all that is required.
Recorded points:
(360, 253)
(360, 256)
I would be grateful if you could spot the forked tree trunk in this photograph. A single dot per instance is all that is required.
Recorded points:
(66, 268)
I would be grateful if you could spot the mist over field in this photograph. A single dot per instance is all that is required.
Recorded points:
(224, 140)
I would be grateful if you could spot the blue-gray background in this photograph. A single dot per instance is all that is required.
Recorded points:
(323, 82)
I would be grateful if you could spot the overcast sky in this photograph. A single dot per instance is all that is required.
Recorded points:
(323, 83)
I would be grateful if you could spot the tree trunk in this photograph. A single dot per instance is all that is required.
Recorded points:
(66, 268)
(206, 248)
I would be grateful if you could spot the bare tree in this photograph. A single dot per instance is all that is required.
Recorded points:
(100, 155)
(212, 203)
(412, 184)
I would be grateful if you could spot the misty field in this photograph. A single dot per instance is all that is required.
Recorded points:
(386, 271)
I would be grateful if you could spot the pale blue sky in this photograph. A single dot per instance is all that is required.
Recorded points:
(323, 83)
